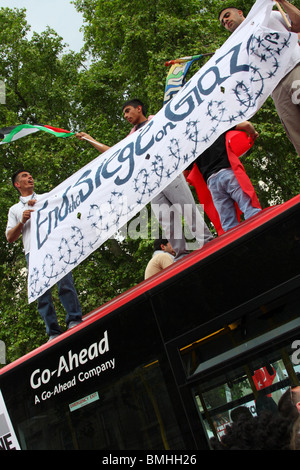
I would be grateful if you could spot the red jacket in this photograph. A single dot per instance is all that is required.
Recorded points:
(237, 143)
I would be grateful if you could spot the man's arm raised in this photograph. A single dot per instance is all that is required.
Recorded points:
(83, 136)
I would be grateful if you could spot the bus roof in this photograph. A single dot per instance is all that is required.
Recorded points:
(243, 231)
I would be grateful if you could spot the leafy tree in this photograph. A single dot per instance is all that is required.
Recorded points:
(39, 85)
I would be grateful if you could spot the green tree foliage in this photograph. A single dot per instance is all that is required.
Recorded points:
(126, 47)
(39, 82)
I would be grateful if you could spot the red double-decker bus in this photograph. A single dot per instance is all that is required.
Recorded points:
(162, 366)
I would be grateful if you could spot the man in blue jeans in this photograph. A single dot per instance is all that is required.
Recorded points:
(19, 224)
(227, 181)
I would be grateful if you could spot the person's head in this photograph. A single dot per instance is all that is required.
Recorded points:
(241, 412)
(134, 111)
(231, 18)
(164, 245)
(289, 403)
(295, 437)
(23, 182)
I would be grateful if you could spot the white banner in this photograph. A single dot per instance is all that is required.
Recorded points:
(80, 214)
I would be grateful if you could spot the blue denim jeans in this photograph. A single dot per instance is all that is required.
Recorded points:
(69, 299)
(225, 191)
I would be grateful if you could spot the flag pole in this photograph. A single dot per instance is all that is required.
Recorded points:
(88, 140)
(283, 14)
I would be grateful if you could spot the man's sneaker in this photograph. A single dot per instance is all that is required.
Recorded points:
(73, 323)
(53, 337)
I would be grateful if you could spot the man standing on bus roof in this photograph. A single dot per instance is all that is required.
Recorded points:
(177, 193)
(19, 224)
(286, 94)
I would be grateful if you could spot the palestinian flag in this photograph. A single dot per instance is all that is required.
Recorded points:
(10, 134)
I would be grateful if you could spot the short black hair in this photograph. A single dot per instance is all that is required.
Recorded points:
(158, 242)
(135, 102)
(15, 176)
(226, 8)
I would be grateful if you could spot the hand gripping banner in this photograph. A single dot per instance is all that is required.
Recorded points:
(80, 214)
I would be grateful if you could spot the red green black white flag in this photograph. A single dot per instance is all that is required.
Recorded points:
(10, 134)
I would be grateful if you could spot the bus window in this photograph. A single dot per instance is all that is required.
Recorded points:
(133, 412)
(247, 390)
(257, 327)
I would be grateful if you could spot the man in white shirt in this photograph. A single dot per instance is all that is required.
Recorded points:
(19, 224)
(286, 95)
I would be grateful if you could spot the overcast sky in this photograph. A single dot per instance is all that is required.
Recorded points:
(60, 15)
